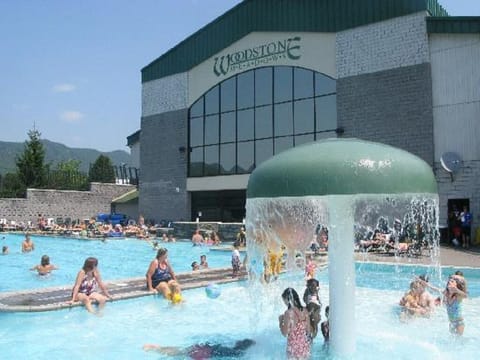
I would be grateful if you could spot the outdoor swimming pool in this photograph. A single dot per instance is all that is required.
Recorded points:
(118, 259)
(244, 311)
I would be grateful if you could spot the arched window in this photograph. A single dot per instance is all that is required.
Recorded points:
(248, 118)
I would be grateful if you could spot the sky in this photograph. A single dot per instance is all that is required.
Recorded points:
(72, 69)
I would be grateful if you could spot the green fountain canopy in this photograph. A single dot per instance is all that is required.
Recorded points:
(341, 167)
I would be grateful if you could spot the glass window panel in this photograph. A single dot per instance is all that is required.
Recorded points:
(303, 83)
(263, 122)
(211, 160)
(196, 131)
(196, 162)
(211, 101)
(324, 85)
(197, 108)
(228, 127)
(283, 119)
(228, 94)
(303, 116)
(302, 139)
(245, 126)
(283, 83)
(211, 129)
(263, 86)
(245, 89)
(263, 150)
(245, 157)
(227, 158)
(326, 111)
(283, 143)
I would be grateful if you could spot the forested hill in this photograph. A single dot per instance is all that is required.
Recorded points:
(55, 153)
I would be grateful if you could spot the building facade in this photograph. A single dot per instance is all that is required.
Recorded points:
(270, 75)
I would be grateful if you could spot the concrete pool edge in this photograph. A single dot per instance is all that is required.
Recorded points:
(55, 298)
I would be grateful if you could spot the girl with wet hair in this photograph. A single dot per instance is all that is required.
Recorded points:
(295, 325)
(453, 296)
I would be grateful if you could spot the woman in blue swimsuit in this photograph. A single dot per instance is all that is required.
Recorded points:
(161, 278)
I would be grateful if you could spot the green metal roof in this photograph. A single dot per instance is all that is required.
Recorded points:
(280, 15)
(454, 25)
(341, 167)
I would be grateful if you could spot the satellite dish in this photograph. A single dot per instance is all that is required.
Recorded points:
(451, 162)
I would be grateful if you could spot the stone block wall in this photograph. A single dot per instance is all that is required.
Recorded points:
(62, 203)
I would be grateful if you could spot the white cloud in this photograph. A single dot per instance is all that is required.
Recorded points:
(71, 116)
(64, 88)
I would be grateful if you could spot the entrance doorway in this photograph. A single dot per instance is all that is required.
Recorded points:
(455, 207)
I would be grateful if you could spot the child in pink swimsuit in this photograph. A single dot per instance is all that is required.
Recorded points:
(295, 325)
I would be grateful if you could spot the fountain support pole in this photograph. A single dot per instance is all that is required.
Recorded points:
(341, 273)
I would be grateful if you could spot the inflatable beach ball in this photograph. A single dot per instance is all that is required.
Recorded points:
(213, 291)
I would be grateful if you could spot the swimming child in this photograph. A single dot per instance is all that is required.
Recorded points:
(195, 266)
(310, 268)
(203, 262)
(325, 326)
(313, 303)
(27, 244)
(294, 324)
(4, 250)
(45, 267)
(204, 350)
(311, 292)
(236, 263)
(410, 302)
(453, 296)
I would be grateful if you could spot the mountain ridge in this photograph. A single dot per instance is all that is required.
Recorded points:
(57, 152)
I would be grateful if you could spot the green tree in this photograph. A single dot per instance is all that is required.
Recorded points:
(11, 186)
(102, 170)
(30, 164)
(69, 165)
(67, 176)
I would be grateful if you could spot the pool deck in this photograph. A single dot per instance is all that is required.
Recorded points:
(449, 256)
(55, 298)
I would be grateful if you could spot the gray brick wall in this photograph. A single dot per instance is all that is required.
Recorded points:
(392, 107)
(163, 167)
(62, 203)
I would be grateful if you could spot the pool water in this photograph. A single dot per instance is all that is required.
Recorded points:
(245, 310)
(118, 259)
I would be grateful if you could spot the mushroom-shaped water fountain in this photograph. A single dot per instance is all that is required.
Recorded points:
(344, 185)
